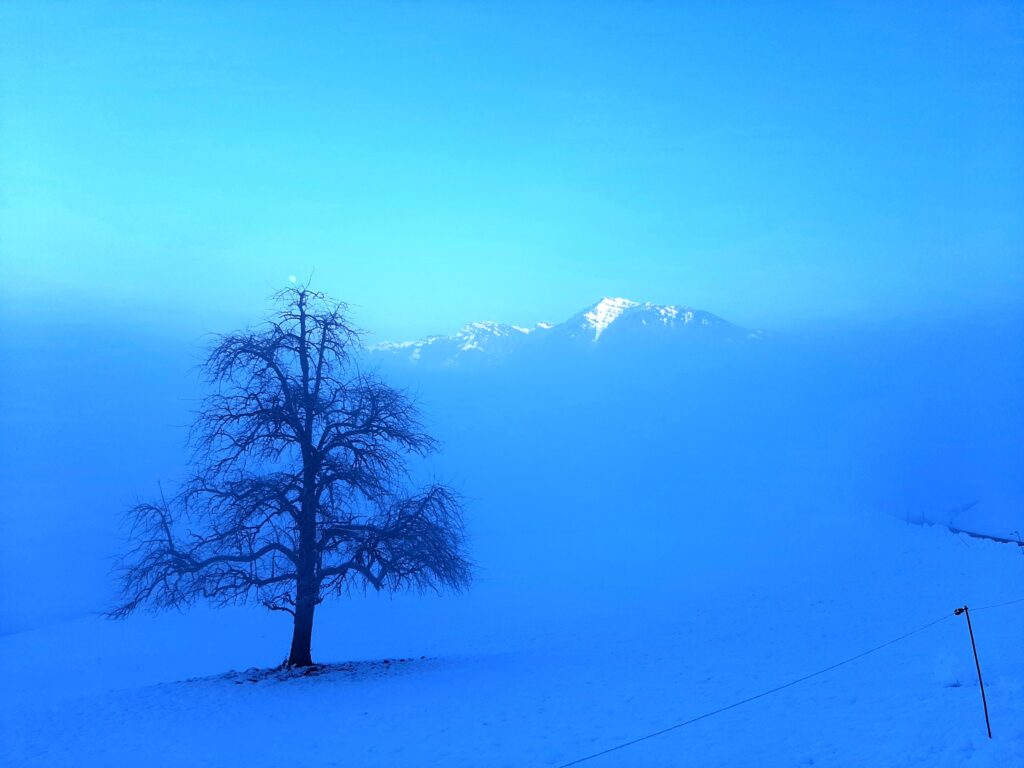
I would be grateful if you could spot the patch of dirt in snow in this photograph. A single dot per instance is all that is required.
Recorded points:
(348, 670)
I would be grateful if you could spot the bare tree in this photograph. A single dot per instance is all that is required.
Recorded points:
(300, 482)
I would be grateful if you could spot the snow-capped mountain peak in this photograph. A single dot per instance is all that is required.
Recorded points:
(598, 320)
(605, 312)
(629, 322)
(477, 335)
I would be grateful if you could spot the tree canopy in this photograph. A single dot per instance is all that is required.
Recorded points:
(301, 482)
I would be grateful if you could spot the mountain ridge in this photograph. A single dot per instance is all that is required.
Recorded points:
(610, 321)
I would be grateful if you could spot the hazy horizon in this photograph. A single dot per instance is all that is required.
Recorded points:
(634, 521)
(435, 164)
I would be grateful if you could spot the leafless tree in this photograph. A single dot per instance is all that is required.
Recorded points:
(300, 486)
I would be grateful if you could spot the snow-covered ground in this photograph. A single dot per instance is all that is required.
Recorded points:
(520, 672)
(654, 542)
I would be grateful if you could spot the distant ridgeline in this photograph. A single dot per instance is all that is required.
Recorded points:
(617, 322)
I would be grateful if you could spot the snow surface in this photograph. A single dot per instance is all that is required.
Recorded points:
(517, 676)
(492, 341)
(606, 312)
(479, 337)
(655, 539)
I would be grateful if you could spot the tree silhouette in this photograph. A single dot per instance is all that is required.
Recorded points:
(300, 484)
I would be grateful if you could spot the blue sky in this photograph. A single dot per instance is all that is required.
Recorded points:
(434, 163)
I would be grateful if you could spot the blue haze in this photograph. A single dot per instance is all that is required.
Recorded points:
(851, 175)
(437, 163)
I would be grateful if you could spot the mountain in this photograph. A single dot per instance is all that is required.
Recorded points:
(611, 322)
(634, 322)
(486, 340)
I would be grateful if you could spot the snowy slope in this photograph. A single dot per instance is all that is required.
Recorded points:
(618, 317)
(654, 543)
(485, 340)
(615, 320)
(518, 677)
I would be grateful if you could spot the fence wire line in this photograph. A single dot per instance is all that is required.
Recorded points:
(769, 692)
(998, 605)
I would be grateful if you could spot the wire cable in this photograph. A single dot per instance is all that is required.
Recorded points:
(765, 693)
(998, 605)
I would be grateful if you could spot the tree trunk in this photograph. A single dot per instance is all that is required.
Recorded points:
(306, 594)
(302, 634)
